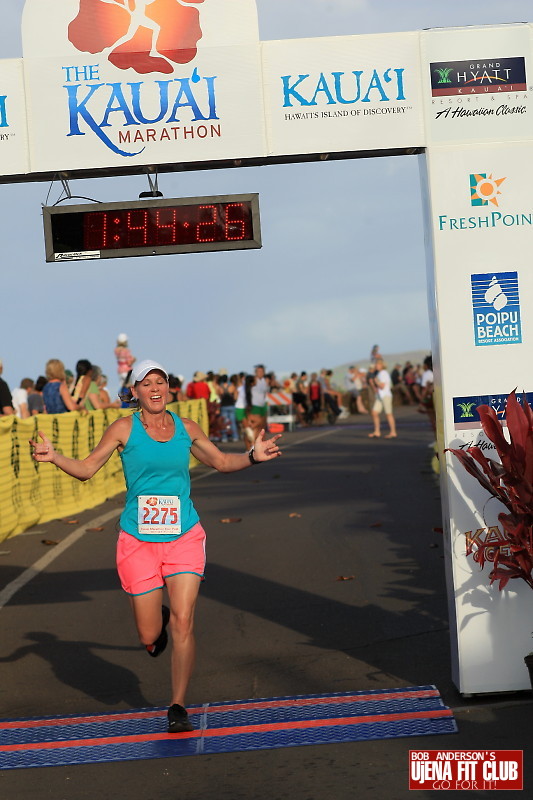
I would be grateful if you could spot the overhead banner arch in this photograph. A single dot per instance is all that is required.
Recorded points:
(124, 86)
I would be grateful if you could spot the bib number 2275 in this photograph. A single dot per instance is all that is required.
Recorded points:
(159, 515)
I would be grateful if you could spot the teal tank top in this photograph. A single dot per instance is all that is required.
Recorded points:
(157, 468)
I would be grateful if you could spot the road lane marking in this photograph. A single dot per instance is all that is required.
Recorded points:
(311, 438)
(31, 572)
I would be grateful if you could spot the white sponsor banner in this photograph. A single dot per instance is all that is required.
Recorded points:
(169, 81)
(482, 223)
(481, 219)
(13, 125)
(343, 93)
(478, 83)
(151, 82)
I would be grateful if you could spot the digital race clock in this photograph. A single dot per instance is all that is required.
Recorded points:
(151, 227)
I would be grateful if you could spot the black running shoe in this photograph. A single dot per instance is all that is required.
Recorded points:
(161, 642)
(178, 720)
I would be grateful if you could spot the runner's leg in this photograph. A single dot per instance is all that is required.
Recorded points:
(147, 613)
(183, 591)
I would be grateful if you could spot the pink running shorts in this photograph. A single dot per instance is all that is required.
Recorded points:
(144, 566)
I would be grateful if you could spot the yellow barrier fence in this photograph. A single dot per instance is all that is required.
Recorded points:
(32, 493)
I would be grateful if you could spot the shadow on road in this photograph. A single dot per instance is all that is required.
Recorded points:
(75, 664)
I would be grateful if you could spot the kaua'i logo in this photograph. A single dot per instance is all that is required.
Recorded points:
(484, 189)
(144, 35)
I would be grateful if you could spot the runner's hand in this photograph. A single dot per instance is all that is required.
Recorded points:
(266, 450)
(43, 451)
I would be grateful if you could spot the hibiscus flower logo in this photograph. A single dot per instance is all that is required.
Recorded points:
(144, 35)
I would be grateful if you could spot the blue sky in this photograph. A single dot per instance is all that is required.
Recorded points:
(342, 265)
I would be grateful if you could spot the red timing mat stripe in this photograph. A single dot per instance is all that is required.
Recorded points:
(265, 728)
(300, 701)
(45, 723)
(316, 701)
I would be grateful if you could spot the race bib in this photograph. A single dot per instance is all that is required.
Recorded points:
(158, 515)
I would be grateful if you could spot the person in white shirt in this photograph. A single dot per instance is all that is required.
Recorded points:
(383, 402)
(257, 416)
(353, 382)
(426, 398)
(20, 398)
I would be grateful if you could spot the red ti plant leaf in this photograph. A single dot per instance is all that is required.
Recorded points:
(492, 470)
(510, 524)
(528, 466)
(493, 429)
(518, 427)
(511, 482)
(528, 412)
(471, 467)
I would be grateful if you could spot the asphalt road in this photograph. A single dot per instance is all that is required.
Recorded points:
(273, 619)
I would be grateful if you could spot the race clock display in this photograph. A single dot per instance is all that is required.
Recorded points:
(151, 227)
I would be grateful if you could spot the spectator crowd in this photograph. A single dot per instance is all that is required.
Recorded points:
(237, 403)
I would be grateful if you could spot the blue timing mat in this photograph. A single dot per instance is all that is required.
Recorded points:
(225, 727)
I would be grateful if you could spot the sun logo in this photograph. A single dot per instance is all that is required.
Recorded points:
(484, 189)
(152, 501)
(143, 35)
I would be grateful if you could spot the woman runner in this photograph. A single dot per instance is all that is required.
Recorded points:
(161, 542)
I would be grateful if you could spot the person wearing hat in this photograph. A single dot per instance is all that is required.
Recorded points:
(198, 388)
(161, 541)
(125, 360)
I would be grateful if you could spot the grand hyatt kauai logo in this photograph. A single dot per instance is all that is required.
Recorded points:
(453, 78)
(465, 409)
(143, 35)
(484, 189)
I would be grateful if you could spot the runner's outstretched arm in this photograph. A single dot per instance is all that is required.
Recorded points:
(209, 454)
(115, 436)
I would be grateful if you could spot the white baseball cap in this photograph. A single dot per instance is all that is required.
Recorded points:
(122, 338)
(141, 370)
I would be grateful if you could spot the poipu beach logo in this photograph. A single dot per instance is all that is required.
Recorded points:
(496, 308)
(484, 189)
(143, 35)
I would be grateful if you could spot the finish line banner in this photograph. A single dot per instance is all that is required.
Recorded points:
(466, 770)
(129, 83)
